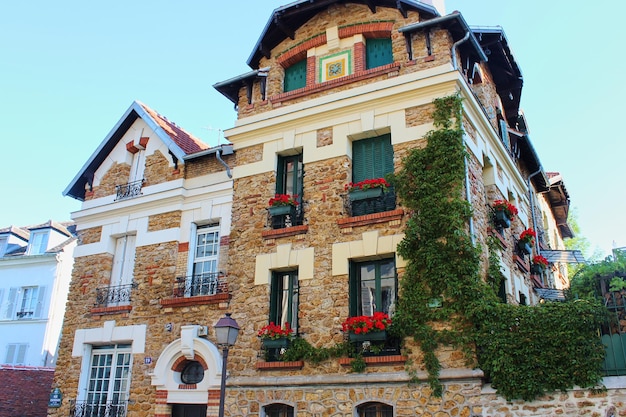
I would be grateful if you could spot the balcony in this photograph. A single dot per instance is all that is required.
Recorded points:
(369, 205)
(130, 190)
(209, 288)
(89, 409)
(114, 295)
(21, 315)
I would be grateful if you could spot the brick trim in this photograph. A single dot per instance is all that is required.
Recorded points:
(522, 264)
(369, 30)
(103, 311)
(337, 82)
(377, 360)
(382, 217)
(199, 300)
(285, 231)
(183, 247)
(298, 52)
(271, 366)
(130, 147)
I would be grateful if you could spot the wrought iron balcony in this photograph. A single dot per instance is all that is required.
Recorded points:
(90, 409)
(385, 202)
(130, 190)
(199, 284)
(115, 295)
(25, 314)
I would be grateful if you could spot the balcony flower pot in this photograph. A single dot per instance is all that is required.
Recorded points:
(281, 210)
(356, 195)
(502, 219)
(368, 337)
(537, 269)
(525, 247)
(281, 342)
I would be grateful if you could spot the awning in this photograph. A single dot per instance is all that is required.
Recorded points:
(567, 256)
(550, 294)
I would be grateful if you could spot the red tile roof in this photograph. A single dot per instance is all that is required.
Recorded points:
(185, 140)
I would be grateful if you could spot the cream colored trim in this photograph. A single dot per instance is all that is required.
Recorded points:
(370, 246)
(284, 257)
(110, 333)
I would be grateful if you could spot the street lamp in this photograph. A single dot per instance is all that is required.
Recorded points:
(226, 332)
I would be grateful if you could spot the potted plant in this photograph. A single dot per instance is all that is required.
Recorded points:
(362, 328)
(505, 212)
(282, 204)
(526, 241)
(539, 265)
(365, 189)
(275, 336)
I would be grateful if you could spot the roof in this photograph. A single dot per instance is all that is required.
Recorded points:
(178, 141)
(66, 228)
(558, 197)
(285, 20)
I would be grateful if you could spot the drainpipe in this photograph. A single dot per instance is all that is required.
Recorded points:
(455, 45)
(532, 206)
(219, 158)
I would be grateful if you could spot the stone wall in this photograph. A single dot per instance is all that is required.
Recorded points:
(159, 169)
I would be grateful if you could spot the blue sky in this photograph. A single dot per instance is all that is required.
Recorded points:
(69, 69)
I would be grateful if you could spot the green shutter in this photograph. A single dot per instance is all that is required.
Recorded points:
(378, 52)
(295, 76)
(372, 158)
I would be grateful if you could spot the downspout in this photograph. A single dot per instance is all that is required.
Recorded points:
(455, 45)
(219, 158)
(532, 205)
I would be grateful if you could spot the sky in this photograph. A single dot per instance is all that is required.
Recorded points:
(69, 69)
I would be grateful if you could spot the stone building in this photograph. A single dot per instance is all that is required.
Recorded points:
(174, 233)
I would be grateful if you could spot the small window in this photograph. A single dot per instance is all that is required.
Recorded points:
(373, 287)
(38, 242)
(295, 76)
(193, 373)
(378, 52)
(289, 175)
(284, 299)
(372, 158)
(373, 409)
(278, 410)
(206, 260)
(16, 353)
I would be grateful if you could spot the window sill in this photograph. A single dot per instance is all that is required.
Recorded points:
(382, 217)
(377, 360)
(497, 235)
(281, 366)
(196, 300)
(522, 264)
(327, 85)
(285, 232)
(103, 311)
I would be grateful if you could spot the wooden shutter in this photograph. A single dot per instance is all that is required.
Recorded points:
(372, 158)
(295, 76)
(21, 354)
(40, 302)
(10, 304)
(378, 52)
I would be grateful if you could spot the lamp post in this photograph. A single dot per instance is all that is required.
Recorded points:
(226, 332)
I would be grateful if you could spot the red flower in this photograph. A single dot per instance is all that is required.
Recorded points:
(528, 236)
(283, 200)
(365, 324)
(274, 331)
(540, 260)
(367, 184)
(508, 208)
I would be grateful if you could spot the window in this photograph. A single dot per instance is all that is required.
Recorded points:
(289, 175)
(205, 261)
(192, 373)
(373, 287)
(189, 410)
(372, 158)
(3, 245)
(24, 303)
(16, 353)
(278, 410)
(121, 282)
(373, 409)
(38, 242)
(108, 382)
(284, 299)
(378, 52)
(295, 76)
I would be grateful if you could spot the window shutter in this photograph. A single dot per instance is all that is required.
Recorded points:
(40, 302)
(372, 158)
(10, 353)
(504, 135)
(280, 176)
(354, 290)
(21, 354)
(10, 304)
(295, 76)
(378, 52)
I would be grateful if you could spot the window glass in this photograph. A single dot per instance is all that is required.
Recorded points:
(28, 302)
(289, 175)
(38, 243)
(375, 410)
(193, 373)
(373, 288)
(284, 299)
(206, 261)
(278, 410)
(295, 76)
(378, 52)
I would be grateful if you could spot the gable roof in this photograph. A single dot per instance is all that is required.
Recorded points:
(179, 142)
(285, 20)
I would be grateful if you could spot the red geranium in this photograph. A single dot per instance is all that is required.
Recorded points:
(505, 206)
(540, 260)
(283, 200)
(366, 324)
(367, 184)
(274, 331)
(528, 236)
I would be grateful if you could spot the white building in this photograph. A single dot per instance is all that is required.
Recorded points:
(35, 271)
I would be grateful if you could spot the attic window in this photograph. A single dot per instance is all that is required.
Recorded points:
(295, 76)
(378, 52)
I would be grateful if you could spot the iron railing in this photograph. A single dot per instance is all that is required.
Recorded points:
(385, 202)
(198, 284)
(130, 190)
(295, 217)
(114, 295)
(613, 332)
(89, 409)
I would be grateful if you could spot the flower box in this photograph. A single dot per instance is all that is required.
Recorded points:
(281, 210)
(537, 269)
(356, 195)
(525, 247)
(502, 219)
(282, 342)
(368, 337)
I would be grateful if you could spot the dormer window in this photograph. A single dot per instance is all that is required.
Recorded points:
(3, 245)
(38, 242)
(295, 76)
(378, 52)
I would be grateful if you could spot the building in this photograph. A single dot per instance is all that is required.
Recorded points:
(174, 233)
(35, 270)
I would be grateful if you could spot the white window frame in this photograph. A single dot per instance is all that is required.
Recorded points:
(3, 245)
(38, 242)
(16, 353)
(203, 279)
(24, 303)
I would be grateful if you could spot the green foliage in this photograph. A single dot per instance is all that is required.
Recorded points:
(528, 351)
(584, 284)
(301, 349)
